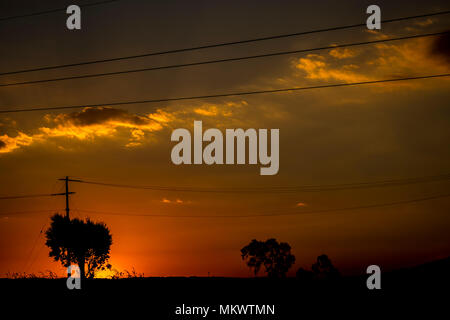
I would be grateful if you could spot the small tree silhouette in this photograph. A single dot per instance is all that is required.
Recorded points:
(275, 257)
(323, 269)
(81, 242)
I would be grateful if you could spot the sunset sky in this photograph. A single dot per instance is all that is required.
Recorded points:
(328, 136)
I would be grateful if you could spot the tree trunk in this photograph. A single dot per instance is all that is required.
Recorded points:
(81, 262)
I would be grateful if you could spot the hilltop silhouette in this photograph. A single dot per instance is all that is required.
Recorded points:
(158, 296)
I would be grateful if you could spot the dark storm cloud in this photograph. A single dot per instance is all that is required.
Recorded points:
(93, 116)
(441, 47)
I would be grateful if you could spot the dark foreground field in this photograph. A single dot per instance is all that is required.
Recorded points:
(402, 291)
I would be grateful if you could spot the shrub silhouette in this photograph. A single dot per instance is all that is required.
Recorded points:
(323, 269)
(85, 243)
(275, 257)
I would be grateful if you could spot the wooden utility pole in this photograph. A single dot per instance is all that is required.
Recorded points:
(67, 197)
(66, 179)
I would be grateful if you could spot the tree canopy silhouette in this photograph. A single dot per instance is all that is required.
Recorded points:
(75, 241)
(275, 257)
(323, 269)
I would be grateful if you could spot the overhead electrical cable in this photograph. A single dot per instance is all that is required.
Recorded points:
(39, 13)
(279, 214)
(221, 44)
(207, 62)
(278, 189)
(25, 196)
(269, 189)
(222, 95)
(13, 213)
(276, 214)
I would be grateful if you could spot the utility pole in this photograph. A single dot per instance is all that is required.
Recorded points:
(67, 197)
(66, 179)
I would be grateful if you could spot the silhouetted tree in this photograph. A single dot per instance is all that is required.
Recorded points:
(81, 242)
(323, 269)
(275, 257)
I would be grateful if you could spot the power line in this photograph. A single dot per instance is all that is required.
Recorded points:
(222, 44)
(25, 196)
(33, 14)
(39, 195)
(274, 214)
(290, 213)
(42, 246)
(173, 66)
(273, 189)
(279, 189)
(27, 265)
(222, 95)
(28, 212)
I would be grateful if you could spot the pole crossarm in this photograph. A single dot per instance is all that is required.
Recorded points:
(67, 193)
(62, 194)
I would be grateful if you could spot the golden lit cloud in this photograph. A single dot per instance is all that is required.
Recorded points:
(8, 144)
(86, 125)
(176, 201)
(421, 56)
(207, 111)
(161, 116)
(381, 61)
(319, 70)
(91, 123)
(410, 57)
(342, 53)
(225, 110)
(228, 113)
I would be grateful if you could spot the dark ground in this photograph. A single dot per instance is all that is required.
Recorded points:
(403, 292)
